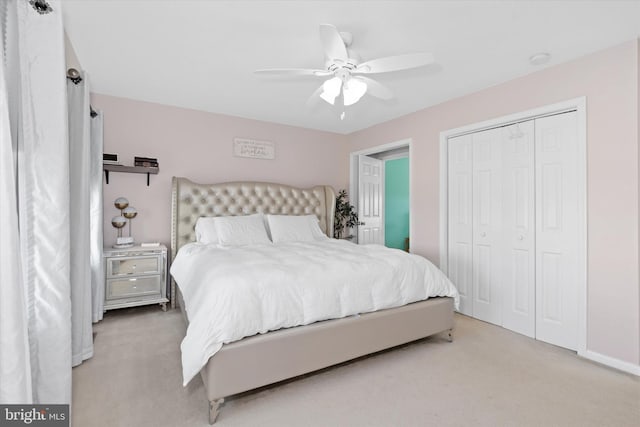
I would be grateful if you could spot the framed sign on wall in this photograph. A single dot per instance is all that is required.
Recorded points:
(254, 149)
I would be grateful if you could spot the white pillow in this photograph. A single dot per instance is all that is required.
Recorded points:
(314, 223)
(294, 228)
(206, 230)
(241, 230)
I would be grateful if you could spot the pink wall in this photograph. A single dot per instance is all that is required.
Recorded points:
(609, 80)
(198, 145)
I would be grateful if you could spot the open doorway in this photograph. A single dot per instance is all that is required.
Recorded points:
(380, 191)
(396, 202)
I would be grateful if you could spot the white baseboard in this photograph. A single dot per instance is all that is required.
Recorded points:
(611, 362)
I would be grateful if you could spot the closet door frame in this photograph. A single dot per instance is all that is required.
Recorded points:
(579, 105)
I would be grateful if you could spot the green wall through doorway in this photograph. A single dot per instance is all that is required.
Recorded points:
(396, 202)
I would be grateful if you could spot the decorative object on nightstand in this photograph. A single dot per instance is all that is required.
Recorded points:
(118, 222)
(135, 276)
(127, 213)
(130, 212)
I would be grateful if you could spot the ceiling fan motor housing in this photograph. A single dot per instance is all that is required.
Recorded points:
(341, 69)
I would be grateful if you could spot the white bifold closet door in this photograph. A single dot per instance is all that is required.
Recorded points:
(518, 228)
(557, 230)
(475, 182)
(513, 226)
(460, 218)
(487, 225)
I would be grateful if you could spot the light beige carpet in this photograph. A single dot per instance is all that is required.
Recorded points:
(487, 377)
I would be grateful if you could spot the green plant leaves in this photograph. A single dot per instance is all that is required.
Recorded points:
(345, 216)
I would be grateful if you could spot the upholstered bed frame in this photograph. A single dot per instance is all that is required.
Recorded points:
(287, 353)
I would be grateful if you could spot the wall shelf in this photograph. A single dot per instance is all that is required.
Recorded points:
(129, 169)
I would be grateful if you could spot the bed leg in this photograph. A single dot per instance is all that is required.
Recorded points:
(214, 409)
(450, 335)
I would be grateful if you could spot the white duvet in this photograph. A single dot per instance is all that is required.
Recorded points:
(235, 292)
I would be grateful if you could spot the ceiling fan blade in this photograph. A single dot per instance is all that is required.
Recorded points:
(315, 97)
(332, 43)
(293, 72)
(376, 89)
(395, 63)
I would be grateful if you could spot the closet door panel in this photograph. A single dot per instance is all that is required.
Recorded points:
(557, 223)
(518, 273)
(487, 227)
(460, 218)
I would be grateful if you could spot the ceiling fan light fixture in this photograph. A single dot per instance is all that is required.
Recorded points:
(353, 91)
(331, 89)
(330, 99)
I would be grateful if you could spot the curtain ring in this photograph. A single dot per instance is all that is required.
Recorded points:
(41, 6)
(74, 75)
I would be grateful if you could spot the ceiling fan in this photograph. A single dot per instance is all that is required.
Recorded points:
(348, 76)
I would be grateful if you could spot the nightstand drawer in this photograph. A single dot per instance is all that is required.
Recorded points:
(134, 266)
(139, 286)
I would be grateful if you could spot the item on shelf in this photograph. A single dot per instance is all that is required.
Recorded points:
(148, 162)
(127, 213)
(150, 244)
(110, 159)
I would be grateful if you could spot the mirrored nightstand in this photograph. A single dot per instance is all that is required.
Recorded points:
(135, 276)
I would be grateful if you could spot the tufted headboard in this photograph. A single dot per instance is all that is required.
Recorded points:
(190, 201)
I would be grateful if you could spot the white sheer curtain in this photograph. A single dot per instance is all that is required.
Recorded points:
(96, 214)
(35, 303)
(15, 367)
(80, 168)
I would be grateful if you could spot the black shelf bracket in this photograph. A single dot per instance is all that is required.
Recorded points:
(130, 169)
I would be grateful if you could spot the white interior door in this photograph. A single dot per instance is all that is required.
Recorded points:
(460, 223)
(370, 200)
(557, 229)
(487, 225)
(518, 221)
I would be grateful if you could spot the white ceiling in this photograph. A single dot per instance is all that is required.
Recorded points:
(201, 54)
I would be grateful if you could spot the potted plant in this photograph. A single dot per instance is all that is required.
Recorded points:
(345, 217)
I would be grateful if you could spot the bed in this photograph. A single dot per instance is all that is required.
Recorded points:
(291, 351)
